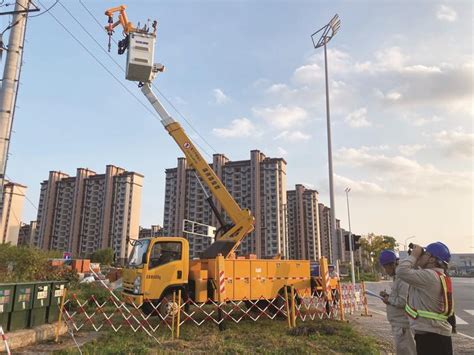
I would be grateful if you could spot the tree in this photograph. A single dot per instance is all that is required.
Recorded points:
(372, 246)
(103, 256)
(24, 263)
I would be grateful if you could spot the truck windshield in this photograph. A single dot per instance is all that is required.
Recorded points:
(139, 249)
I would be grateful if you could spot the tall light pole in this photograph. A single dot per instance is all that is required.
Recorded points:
(326, 33)
(351, 243)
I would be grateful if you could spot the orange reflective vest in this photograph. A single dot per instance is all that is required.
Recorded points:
(447, 294)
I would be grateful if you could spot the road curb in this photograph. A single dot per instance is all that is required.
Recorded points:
(25, 337)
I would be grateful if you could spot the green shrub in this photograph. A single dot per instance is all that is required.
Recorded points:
(86, 291)
(103, 256)
(22, 263)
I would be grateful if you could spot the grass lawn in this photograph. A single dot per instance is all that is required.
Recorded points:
(264, 336)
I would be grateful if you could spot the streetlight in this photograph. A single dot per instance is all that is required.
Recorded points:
(351, 243)
(327, 32)
(405, 245)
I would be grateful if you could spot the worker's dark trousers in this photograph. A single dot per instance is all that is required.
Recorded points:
(433, 344)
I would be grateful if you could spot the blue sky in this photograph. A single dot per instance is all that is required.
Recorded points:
(246, 76)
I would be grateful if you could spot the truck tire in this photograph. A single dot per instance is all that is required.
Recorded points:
(167, 308)
(256, 306)
(149, 308)
(279, 304)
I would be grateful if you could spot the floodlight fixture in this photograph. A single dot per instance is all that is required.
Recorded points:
(327, 32)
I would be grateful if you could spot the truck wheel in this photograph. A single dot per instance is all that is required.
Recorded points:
(167, 308)
(257, 306)
(279, 305)
(149, 308)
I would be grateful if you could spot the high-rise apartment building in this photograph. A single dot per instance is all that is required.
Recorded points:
(303, 224)
(258, 184)
(330, 247)
(89, 211)
(10, 212)
(27, 233)
(153, 231)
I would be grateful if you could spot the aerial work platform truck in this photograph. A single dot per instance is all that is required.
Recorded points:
(160, 266)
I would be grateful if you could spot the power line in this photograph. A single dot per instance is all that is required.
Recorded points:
(95, 18)
(45, 11)
(99, 62)
(108, 54)
(154, 86)
(103, 66)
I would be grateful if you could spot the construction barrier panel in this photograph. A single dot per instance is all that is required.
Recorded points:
(169, 315)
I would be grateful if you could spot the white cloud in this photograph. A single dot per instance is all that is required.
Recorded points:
(294, 136)
(358, 118)
(386, 59)
(422, 69)
(456, 143)
(240, 127)
(403, 79)
(308, 185)
(220, 97)
(282, 152)
(390, 58)
(260, 83)
(277, 88)
(447, 86)
(313, 71)
(401, 176)
(340, 61)
(410, 150)
(419, 121)
(360, 187)
(394, 96)
(282, 117)
(445, 13)
(308, 74)
(366, 148)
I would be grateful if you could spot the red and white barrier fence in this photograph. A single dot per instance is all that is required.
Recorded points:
(171, 314)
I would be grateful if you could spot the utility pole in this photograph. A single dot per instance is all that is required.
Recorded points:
(10, 79)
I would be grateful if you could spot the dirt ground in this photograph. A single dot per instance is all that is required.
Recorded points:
(65, 342)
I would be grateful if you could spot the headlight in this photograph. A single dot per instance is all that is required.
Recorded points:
(137, 284)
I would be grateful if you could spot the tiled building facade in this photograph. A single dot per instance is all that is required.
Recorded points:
(11, 211)
(153, 231)
(27, 233)
(89, 211)
(303, 224)
(330, 247)
(258, 184)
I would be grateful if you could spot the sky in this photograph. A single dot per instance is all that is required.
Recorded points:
(243, 75)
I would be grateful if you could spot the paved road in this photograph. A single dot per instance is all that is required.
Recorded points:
(463, 289)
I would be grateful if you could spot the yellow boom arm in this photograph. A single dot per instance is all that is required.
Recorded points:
(242, 219)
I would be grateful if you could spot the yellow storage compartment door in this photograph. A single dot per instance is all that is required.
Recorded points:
(229, 279)
(241, 279)
(258, 283)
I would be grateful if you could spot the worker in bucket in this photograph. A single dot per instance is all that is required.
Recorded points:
(396, 302)
(429, 301)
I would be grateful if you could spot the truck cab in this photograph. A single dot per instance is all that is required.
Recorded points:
(157, 267)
